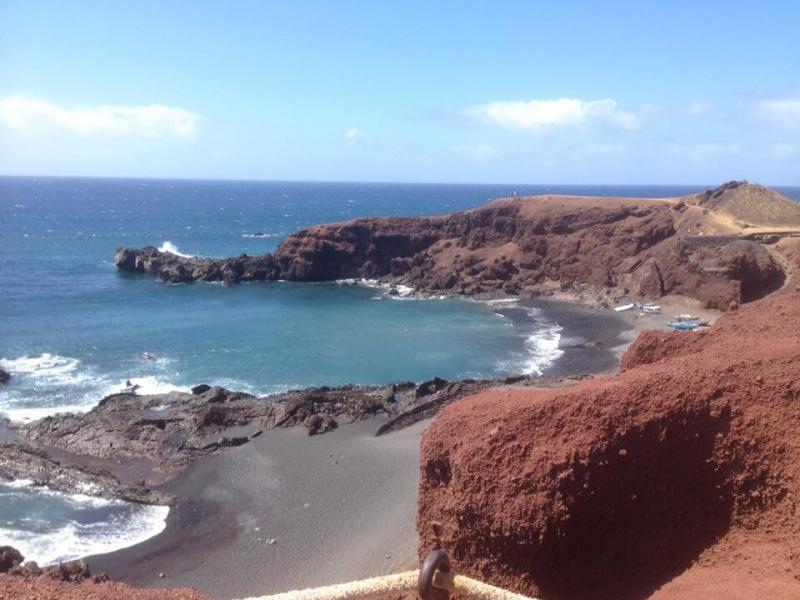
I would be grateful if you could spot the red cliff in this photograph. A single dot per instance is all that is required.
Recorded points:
(598, 249)
(676, 478)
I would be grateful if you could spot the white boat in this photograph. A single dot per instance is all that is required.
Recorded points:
(652, 309)
(624, 307)
(685, 317)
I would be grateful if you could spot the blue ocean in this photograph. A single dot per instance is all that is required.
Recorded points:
(73, 328)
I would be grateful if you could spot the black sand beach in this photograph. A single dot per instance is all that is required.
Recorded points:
(339, 507)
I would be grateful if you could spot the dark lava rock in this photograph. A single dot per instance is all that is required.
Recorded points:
(317, 424)
(4, 376)
(10, 557)
(432, 386)
(200, 389)
(18, 461)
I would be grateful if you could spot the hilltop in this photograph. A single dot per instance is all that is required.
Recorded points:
(594, 250)
(751, 205)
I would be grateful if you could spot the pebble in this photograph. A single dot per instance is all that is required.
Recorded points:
(161, 576)
(271, 541)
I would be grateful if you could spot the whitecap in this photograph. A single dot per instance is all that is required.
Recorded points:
(76, 540)
(543, 349)
(542, 345)
(46, 365)
(171, 248)
(46, 384)
(27, 415)
(145, 386)
(502, 301)
(259, 235)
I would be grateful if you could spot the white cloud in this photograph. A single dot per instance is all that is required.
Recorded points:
(703, 151)
(32, 115)
(783, 151)
(699, 107)
(602, 149)
(544, 115)
(479, 152)
(353, 134)
(783, 113)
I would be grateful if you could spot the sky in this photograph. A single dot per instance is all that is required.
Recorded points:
(492, 92)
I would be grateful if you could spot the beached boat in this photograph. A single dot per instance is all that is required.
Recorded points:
(684, 325)
(685, 317)
(624, 307)
(652, 309)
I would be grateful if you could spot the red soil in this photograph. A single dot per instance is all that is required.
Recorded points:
(676, 478)
(43, 588)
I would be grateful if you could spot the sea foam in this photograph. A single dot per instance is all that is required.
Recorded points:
(49, 383)
(542, 346)
(171, 248)
(51, 527)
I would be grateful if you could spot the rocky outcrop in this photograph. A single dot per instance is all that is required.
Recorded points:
(607, 247)
(21, 461)
(717, 272)
(72, 579)
(11, 562)
(679, 477)
(10, 558)
(173, 268)
(143, 440)
(5, 376)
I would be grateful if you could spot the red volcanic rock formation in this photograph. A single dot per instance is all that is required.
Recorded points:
(599, 246)
(44, 588)
(676, 478)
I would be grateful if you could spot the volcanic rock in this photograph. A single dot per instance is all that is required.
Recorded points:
(9, 558)
(752, 204)
(155, 436)
(590, 247)
(676, 478)
(5, 376)
(19, 461)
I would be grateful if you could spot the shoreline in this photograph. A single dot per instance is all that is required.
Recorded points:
(361, 491)
(592, 341)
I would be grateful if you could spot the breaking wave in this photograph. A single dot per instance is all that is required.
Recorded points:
(49, 383)
(542, 345)
(51, 527)
(173, 249)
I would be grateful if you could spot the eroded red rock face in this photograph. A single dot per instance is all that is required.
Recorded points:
(511, 245)
(598, 249)
(658, 480)
(44, 588)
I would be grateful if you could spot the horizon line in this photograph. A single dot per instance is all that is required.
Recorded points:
(375, 182)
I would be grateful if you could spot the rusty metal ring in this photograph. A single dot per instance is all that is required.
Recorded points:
(437, 560)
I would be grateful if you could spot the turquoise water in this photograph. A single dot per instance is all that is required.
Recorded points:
(73, 328)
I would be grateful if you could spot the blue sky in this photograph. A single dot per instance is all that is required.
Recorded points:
(521, 92)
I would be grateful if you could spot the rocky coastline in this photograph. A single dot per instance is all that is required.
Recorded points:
(594, 250)
(677, 396)
(130, 442)
(675, 478)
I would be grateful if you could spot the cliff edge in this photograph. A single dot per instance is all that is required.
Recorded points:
(593, 249)
(676, 478)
